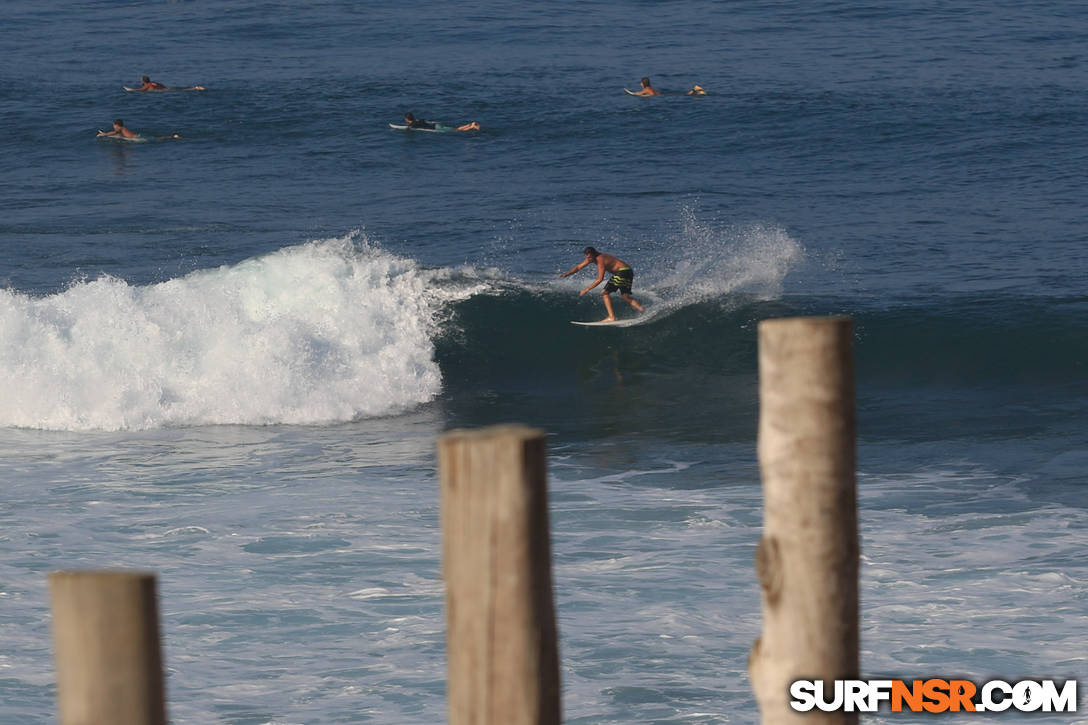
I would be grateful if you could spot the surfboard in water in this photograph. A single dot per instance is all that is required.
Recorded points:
(620, 322)
(162, 90)
(651, 308)
(599, 323)
(132, 139)
(405, 127)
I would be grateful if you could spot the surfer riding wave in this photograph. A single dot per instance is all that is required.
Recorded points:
(622, 279)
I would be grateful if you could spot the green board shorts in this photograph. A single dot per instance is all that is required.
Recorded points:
(621, 281)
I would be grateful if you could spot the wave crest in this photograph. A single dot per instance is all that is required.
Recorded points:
(330, 330)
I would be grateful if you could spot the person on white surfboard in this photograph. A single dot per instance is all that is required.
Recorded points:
(149, 85)
(414, 122)
(121, 131)
(622, 279)
(647, 89)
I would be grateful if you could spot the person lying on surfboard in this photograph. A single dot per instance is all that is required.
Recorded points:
(647, 89)
(622, 279)
(150, 85)
(414, 122)
(119, 130)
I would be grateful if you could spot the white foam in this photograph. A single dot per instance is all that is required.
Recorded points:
(708, 260)
(331, 330)
(711, 262)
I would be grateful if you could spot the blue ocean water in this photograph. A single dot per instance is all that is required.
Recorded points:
(226, 357)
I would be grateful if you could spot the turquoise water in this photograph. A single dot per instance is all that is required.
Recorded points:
(228, 356)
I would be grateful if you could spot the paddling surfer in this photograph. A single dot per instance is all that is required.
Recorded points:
(120, 131)
(622, 279)
(150, 85)
(419, 123)
(647, 89)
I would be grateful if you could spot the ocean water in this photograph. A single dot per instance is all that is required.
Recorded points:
(227, 357)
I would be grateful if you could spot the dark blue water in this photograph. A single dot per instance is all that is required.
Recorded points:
(276, 313)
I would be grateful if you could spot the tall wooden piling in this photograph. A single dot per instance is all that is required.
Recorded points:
(108, 655)
(807, 560)
(501, 640)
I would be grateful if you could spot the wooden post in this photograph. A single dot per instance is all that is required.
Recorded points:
(108, 658)
(503, 657)
(807, 560)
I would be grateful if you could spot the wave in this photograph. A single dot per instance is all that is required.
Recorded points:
(940, 367)
(327, 331)
(339, 329)
(976, 340)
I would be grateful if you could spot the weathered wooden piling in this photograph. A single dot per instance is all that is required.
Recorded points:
(501, 640)
(807, 560)
(108, 654)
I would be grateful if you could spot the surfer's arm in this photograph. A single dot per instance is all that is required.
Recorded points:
(600, 277)
(106, 133)
(587, 289)
(575, 268)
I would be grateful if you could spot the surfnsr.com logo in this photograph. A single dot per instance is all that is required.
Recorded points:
(934, 695)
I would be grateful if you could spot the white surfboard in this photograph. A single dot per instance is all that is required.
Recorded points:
(406, 127)
(162, 90)
(651, 308)
(130, 139)
(599, 323)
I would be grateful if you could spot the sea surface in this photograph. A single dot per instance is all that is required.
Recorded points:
(227, 357)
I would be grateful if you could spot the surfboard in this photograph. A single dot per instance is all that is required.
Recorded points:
(162, 90)
(599, 323)
(661, 93)
(137, 139)
(406, 127)
(651, 309)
